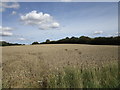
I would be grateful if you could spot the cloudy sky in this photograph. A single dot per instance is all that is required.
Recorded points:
(25, 22)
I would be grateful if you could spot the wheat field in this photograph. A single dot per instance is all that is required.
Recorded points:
(26, 66)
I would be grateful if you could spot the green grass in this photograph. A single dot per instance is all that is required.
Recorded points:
(99, 77)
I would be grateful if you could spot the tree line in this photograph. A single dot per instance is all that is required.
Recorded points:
(85, 40)
(4, 43)
(75, 40)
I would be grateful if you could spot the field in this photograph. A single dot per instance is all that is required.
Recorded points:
(0, 68)
(62, 65)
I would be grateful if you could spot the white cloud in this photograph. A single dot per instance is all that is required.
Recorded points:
(98, 32)
(14, 5)
(6, 33)
(14, 13)
(22, 39)
(55, 25)
(5, 28)
(43, 20)
(4, 5)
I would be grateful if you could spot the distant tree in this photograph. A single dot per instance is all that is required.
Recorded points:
(47, 41)
(73, 40)
(67, 38)
(4, 43)
(35, 43)
(84, 40)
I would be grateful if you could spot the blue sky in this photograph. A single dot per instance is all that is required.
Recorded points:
(57, 20)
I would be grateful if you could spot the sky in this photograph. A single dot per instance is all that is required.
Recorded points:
(26, 22)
